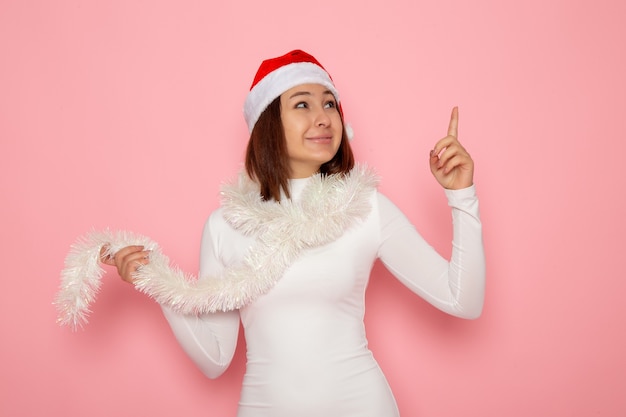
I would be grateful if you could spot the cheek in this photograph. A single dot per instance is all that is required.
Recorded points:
(337, 124)
(292, 123)
(291, 132)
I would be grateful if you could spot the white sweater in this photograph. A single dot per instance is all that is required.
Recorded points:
(307, 351)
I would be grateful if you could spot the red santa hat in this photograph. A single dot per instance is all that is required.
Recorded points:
(277, 75)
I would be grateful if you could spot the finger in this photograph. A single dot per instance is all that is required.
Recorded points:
(105, 256)
(126, 253)
(451, 150)
(453, 127)
(134, 267)
(134, 258)
(127, 250)
(452, 163)
(107, 260)
(132, 264)
(443, 144)
(126, 257)
(435, 153)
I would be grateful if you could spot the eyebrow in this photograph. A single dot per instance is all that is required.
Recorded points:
(308, 93)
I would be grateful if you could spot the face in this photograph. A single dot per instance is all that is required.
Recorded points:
(312, 125)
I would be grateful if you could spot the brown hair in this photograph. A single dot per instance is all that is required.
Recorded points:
(267, 161)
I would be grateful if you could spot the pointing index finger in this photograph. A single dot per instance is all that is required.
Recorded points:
(453, 127)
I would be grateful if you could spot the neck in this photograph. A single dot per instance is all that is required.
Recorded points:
(303, 171)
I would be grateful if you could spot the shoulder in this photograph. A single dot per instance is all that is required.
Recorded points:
(216, 224)
(222, 239)
(384, 203)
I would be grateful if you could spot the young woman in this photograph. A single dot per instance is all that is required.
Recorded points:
(308, 223)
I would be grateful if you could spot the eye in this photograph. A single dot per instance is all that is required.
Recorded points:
(301, 105)
(331, 104)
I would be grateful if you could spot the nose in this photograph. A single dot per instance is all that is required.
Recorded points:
(321, 118)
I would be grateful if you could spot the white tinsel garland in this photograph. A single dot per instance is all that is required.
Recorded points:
(81, 276)
(328, 206)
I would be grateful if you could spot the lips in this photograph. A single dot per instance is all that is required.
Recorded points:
(320, 139)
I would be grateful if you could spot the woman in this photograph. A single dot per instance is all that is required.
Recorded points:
(307, 353)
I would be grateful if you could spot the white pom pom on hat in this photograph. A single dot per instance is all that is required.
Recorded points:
(277, 75)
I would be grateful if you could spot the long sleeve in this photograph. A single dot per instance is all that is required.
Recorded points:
(210, 339)
(456, 286)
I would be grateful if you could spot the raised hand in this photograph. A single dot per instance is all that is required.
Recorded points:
(450, 163)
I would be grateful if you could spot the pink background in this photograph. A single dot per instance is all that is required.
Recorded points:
(127, 114)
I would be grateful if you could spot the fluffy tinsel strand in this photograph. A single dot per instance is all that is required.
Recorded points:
(283, 231)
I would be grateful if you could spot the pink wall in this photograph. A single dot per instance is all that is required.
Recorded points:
(127, 114)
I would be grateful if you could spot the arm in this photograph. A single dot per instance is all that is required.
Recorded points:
(210, 339)
(455, 286)
(458, 286)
